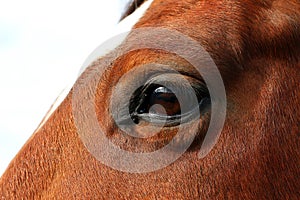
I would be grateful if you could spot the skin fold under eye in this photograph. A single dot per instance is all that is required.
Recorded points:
(156, 103)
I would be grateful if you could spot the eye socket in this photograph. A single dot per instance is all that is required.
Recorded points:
(156, 103)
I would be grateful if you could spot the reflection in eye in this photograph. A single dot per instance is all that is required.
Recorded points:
(164, 97)
(142, 104)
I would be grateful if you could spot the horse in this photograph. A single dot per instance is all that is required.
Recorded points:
(255, 46)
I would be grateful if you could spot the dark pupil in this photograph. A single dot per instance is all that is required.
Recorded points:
(167, 99)
(162, 96)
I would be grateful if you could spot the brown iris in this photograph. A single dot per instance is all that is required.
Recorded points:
(155, 99)
(168, 101)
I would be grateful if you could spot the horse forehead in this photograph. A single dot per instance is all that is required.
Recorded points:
(227, 28)
(202, 20)
(214, 24)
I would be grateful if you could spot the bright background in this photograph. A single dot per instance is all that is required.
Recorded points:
(42, 47)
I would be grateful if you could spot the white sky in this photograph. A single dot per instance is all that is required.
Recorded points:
(42, 47)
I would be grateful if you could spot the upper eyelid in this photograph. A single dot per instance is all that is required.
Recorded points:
(197, 84)
(185, 71)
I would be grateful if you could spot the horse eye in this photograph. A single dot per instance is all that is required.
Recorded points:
(158, 104)
(169, 104)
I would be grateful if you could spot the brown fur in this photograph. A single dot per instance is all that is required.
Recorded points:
(256, 45)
